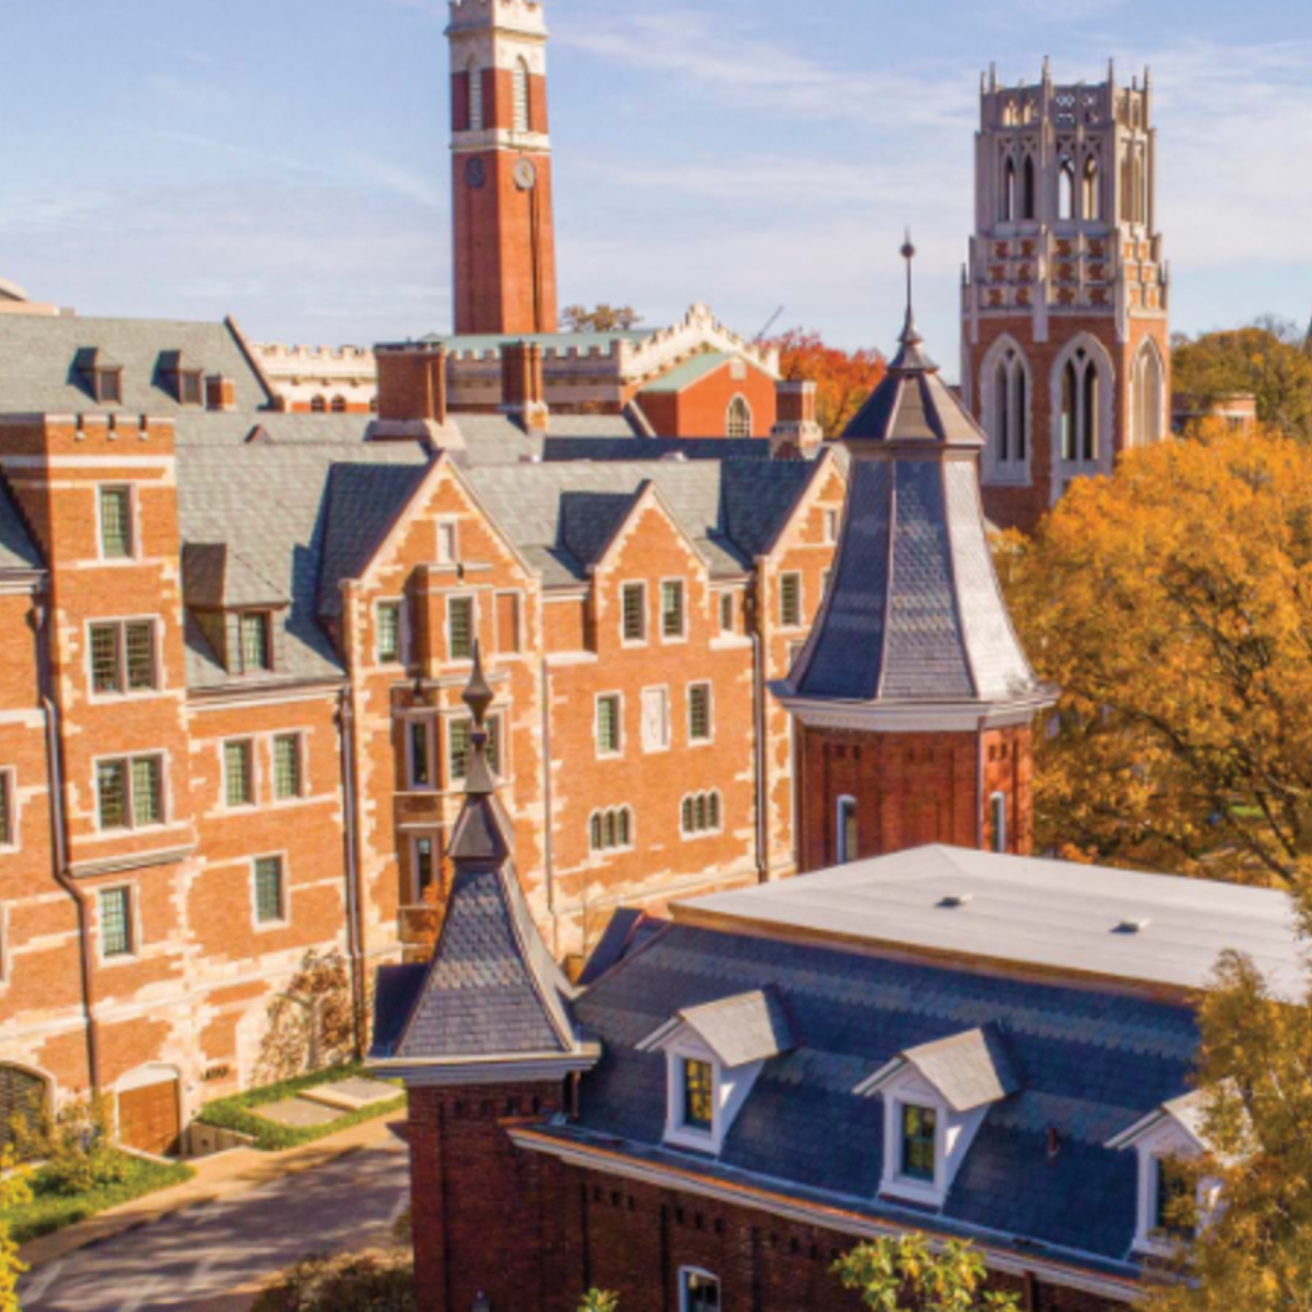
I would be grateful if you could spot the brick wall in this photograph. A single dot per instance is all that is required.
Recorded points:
(702, 408)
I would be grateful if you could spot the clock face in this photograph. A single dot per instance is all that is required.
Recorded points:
(526, 176)
(475, 172)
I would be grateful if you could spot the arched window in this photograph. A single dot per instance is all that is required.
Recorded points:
(1081, 409)
(1092, 197)
(1008, 199)
(23, 1097)
(475, 98)
(523, 111)
(700, 813)
(738, 422)
(1002, 391)
(1066, 190)
(339, 405)
(1028, 193)
(318, 406)
(611, 830)
(1148, 397)
(1005, 386)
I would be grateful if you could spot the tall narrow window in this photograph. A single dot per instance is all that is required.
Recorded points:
(1070, 386)
(388, 634)
(1028, 189)
(256, 653)
(633, 604)
(448, 543)
(458, 748)
(238, 774)
(848, 847)
(460, 627)
(919, 1143)
(419, 749)
(1066, 190)
(270, 893)
(1020, 411)
(115, 523)
(726, 612)
(998, 822)
(699, 712)
(147, 791)
(8, 826)
(1002, 398)
(475, 99)
(698, 1095)
(116, 922)
(425, 864)
(738, 421)
(1089, 415)
(700, 1292)
(287, 767)
(672, 610)
(1007, 206)
(523, 102)
(139, 655)
(790, 601)
(609, 731)
(1148, 397)
(1092, 196)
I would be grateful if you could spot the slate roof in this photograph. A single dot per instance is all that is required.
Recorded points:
(916, 614)
(748, 1027)
(1088, 1064)
(969, 1070)
(39, 356)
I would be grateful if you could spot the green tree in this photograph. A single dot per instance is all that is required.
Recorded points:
(598, 1300)
(1269, 359)
(602, 319)
(906, 1272)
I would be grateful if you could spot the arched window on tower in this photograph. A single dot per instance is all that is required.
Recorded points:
(1127, 188)
(1092, 199)
(523, 114)
(475, 98)
(1007, 416)
(1066, 190)
(1008, 199)
(1148, 397)
(1081, 410)
(1028, 192)
(738, 421)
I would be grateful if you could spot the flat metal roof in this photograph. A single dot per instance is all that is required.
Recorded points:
(1059, 917)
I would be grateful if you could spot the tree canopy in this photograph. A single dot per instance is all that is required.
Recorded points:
(844, 379)
(892, 1274)
(602, 319)
(1173, 605)
(1269, 359)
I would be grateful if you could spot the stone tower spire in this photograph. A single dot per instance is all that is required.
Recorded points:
(505, 245)
(913, 698)
(1065, 307)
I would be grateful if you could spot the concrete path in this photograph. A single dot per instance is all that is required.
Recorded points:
(211, 1253)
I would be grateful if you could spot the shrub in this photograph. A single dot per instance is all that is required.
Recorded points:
(367, 1282)
(76, 1146)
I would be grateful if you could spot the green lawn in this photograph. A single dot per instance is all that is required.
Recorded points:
(235, 1113)
(50, 1211)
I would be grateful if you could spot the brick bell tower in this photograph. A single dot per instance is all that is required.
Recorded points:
(505, 243)
(1066, 341)
(913, 699)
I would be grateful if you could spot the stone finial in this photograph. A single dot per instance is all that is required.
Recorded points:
(478, 696)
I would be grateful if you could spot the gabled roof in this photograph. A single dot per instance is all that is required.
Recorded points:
(968, 1070)
(747, 1027)
(1188, 1112)
(217, 576)
(691, 371)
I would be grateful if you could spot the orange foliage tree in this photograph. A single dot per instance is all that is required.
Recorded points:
(844, 379)
(1173, 604)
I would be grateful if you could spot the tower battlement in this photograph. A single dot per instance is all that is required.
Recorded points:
(523, 16)
(1068, 107)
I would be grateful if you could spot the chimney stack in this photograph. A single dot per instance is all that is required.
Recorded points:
(412, 384)
(523, 386)
(796, 430)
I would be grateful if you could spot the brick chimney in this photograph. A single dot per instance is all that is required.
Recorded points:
(523, 386)
(796, 430)
(412, 384)
(220, 393)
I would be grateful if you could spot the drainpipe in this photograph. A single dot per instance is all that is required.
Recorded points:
(548, 850)
(59, 839)
(760, 761)
(354, 920)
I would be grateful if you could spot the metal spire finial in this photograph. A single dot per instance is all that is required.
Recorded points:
(910, 337)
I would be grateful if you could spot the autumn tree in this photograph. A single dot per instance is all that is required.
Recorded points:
(844, 379)
(891, 1274)
(312, 1022)
(602, 319)
(1269, 359)
(15, 1191)
(1173, 605)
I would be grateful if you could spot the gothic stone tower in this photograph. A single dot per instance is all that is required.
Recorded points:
(1066, 354)
(913, 699)
(505, 244)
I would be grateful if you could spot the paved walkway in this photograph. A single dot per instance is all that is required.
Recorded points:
(206, 1245)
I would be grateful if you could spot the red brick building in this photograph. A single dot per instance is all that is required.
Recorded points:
(1065, 303)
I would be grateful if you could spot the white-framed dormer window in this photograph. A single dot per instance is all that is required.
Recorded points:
(699, 1291)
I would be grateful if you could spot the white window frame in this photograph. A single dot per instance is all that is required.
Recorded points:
(682, 635)
(604, 812)
(619, 723)
(710, 713)
(453, 599)
(700, 1273)
(134, 531)
(165, 792)
(402, 631)
(691, 835)
(784, 623)
(729, 417)
(429, 721)
(121, 623)
(845, 802)
(9, 782)
(133, 921)
(650, 747)
(1165, 1141)
(641, 585)
(302, 760)
(285, 889)
(253, 756)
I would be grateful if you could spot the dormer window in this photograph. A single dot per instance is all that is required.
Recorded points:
(256, 649)
(714, 1055)
(183, 377)
(190, 388)
(101, 375)
(919, 1143)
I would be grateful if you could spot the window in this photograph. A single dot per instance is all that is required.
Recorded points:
(459, 743)
(699, 1292)
(1007, 199)
(1148, 397)
(448, 543)
(270, 905)
(698, 1095)
(610, 830)
(476, 99)
(1007, 414)
(253, 633)
(727, 609)
(460, 627)
(238, 774)
(919, 1142)
(1029, 189)
(123, 657)
(424, 863)
(107, 386)
(699, 712)
(115, 523)
(831, 526)
(1092, 197)
(116, 922)
(318, 406)
(1066, 191)
(848, 846)
(509, 639)
(339, 405)
(8, 810)
(130, 792)
(522, 106)
(287, 767)
(1080, 409)
(738, 421)
(998, 822)
(610, 735)
(672, 616)
(419, 752)
(790, 601)
(190, 389)
(388, 636)
(633, 605)
(700, 814)
(1174, 1209)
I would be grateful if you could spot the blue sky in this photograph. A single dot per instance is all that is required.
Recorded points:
(286, 160)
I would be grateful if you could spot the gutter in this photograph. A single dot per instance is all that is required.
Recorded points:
(354, 918)
(59, 840)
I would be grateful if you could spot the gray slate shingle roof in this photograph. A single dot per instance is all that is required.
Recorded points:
(970, 1070)
(1089, 1064)
(748, 1027)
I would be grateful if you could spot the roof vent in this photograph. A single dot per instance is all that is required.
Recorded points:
(1132, 926)
(955, 901)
